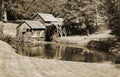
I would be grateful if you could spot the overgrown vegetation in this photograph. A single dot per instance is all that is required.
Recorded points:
(7, 38)
(115, 48)
(102, 45)
(26, 9)
(114, 16)
(113, 13)
(114, 23)
(109, 46)
(79, 12)
(75, 12)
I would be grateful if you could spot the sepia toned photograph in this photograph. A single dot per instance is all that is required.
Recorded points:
(59, 38)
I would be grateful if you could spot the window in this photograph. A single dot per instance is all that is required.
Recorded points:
(48, 22)
(29, 30)
(23, 33)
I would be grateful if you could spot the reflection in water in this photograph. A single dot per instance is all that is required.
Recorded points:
(62, 52)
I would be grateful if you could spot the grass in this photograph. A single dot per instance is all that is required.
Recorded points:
(13, 65)
(8, 39)
(117, 66)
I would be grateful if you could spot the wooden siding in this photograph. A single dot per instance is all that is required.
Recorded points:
(38, 18)
(25, 33)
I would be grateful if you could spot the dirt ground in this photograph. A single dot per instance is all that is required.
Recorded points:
(10, 29)
(14, 65)
(83, 40)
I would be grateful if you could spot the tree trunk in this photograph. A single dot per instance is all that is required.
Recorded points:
(1, 9)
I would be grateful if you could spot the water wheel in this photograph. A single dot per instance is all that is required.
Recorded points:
(51, 33)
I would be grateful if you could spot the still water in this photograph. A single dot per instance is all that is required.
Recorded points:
(62, 52)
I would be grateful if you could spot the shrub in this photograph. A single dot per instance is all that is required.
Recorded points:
(112, 46)
(101, 45)
(115, 49)
(117, 60)
(115, 25)
(7, 38)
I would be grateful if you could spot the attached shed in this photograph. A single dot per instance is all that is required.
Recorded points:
(46, 19)
(60, 21)
(30, 31)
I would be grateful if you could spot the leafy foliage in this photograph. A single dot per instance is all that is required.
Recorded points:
(77, 12)
(101, 45)
(114, 15)
(7, 38)
(26, 9)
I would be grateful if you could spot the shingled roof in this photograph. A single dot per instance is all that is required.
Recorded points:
(47, 17)
(34, 24)
(60, 19)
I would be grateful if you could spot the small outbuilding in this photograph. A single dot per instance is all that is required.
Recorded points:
(46, 19)
(30, 31)
(60, 21)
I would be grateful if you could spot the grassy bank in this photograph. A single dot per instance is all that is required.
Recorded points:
(83, 40)
(8, 39)
(13, 65)
(109, 46)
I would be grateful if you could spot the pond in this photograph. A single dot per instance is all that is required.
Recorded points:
(62, 52)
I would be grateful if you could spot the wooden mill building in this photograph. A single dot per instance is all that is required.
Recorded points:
(30, 31)
(46, 19)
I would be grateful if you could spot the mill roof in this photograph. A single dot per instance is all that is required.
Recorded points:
(47, 17)
(33, 24)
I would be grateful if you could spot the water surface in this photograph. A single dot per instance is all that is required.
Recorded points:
(62, 52)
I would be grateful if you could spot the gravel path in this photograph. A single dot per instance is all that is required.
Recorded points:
(13, 65)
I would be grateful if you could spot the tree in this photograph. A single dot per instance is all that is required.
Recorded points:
(1, 8)
(26, 9)
(76, 12)
(113, 10)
